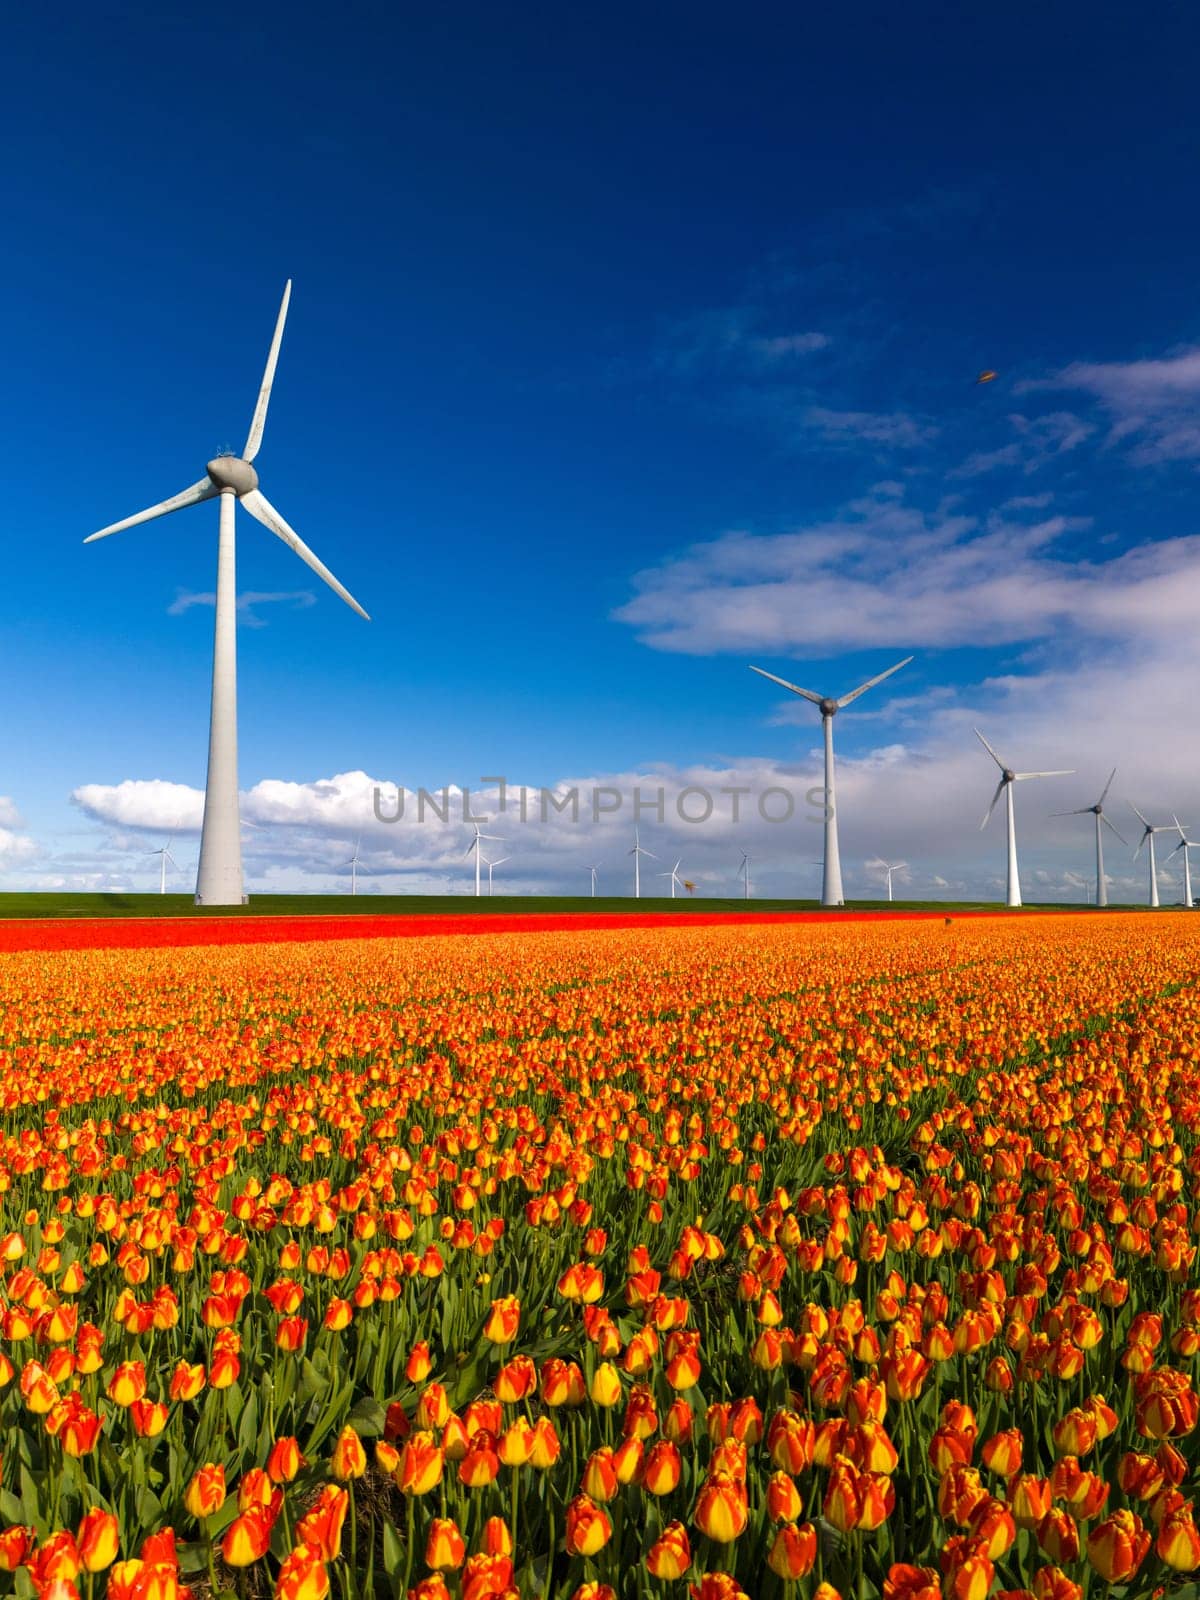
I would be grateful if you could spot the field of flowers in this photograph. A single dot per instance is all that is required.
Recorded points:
(844, 1260)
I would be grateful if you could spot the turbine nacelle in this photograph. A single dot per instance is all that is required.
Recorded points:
(828, 707)
(231, 472)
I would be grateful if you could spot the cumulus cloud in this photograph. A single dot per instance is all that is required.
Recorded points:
(15, 844)
(296, 599)
(151, 803)
(888, 573)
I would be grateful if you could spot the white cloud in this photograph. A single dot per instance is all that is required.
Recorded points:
(1039, 441)
(15, 844)
(893, 429)
(297, 599)
(154, 803)
(729, 338)
(887, 573)
(1152, 402)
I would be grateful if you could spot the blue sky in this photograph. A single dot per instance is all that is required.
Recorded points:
(624, 349)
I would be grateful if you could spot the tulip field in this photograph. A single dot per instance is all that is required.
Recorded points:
(841, 1260)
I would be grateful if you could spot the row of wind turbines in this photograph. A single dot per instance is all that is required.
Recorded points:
(233, 480)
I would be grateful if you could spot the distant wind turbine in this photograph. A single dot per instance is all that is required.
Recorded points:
(164, 855)
(1185, 844)
(499, 862)
(674, 877)
(831, 887)
(353, 865)
(900, 866)
(637, 853)
(744, 872)
(1097, 811)
(593, 871)
(1148, 832)
(478, 849)
(1007, 778)
(232, 478)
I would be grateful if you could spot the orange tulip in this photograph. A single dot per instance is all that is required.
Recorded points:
(793, 1550)
(1117, 1546)
(588, 1527)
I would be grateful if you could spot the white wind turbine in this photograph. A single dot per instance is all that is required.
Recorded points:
(744, 872)
(674, 877)
(900, 866)
(1148, 832)
(637, 853)
(233, 479)
(831, 887)
(1185, 844)
(353, 864)
(499, 861)
(593, 871)
(478, 849)
(1007, 778)
(1097, 811)
(164, 855)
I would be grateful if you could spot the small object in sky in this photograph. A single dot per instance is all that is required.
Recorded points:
(986, 376)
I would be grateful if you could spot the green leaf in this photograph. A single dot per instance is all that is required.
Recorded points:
(11, 1509)
(247, 1434)
(368, 1418)
(149, 1509)
(393, 1551)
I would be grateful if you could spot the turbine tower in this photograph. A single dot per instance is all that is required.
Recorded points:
(888, 869)
(231, 478)
(637, 853)
(1148, 832)
(1097, 811)
(744, 872)
(164, 855)
(478, 849)
(674, 877)
(831, 887)
(1007, 778)
(1185, 844)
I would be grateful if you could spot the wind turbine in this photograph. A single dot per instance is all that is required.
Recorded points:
(1097, 811)
(353, 865)
(232, 478)
(831, 887)
(744, 872)
(674, 877)
(1007, 778)
(888, 869)
(593, 871)
(478, 849)
(637, 853)
(1185, 844)
(164, 855)
(1148, 832)
(490, 864)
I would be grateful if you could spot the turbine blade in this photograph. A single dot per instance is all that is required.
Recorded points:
(1082, 812)
(1138, 814)
(1109, 825)
(261, 509)
(989, 749)
(1066, 772)
(992, 807)
(784, 684)
(204, 490)
(259, 420)
(871, 682)
(1107, 787)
